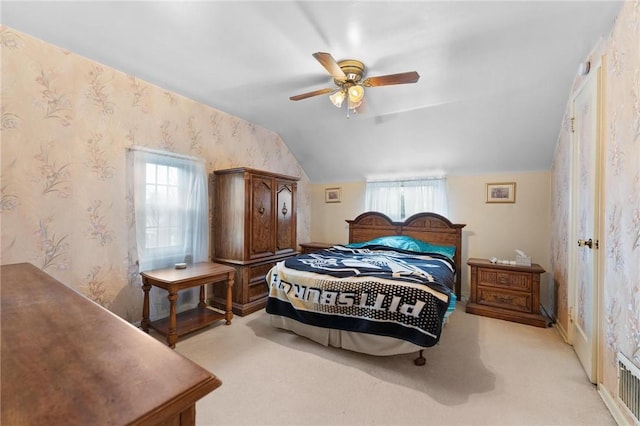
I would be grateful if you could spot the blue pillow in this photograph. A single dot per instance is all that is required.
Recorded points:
(448, 251)
(407, 243)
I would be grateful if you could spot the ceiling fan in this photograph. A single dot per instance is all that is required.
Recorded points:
(347, 75)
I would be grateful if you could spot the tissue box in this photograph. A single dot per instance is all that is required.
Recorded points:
(523, 260)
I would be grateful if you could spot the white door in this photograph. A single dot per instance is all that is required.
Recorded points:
(585, 213)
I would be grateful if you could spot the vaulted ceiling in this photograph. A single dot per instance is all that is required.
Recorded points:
(495, 77)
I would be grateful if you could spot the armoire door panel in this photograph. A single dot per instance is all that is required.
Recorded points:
(286, 218)
(262, 226)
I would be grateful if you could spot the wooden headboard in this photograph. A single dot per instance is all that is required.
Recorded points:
(429, 227)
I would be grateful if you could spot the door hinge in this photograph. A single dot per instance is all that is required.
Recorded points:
(570, 313)
(572, 124)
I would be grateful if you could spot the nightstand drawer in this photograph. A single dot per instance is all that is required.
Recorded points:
(513, 300)
(506, 279)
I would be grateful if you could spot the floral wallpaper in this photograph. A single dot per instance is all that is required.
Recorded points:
(66, 125)
(621, 239)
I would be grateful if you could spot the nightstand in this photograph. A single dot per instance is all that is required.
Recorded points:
(508, 292)
(311, 247)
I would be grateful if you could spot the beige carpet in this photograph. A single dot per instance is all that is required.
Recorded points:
(483, 372)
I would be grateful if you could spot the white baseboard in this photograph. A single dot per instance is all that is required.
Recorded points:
(613, 407)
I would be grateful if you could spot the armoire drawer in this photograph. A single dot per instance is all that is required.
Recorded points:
(258, 272)
(258, 288)
(250, 289)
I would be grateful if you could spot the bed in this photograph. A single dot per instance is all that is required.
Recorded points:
(388, 291)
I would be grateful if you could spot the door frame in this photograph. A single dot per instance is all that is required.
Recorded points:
(597, 71)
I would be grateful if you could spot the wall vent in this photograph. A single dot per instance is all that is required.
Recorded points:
(629, 386)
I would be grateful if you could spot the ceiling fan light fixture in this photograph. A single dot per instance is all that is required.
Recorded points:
(337, 98)
(356, 93)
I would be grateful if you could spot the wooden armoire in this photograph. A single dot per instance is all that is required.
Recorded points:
(254, 228)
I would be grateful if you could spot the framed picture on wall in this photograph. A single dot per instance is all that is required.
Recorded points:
(504, 192)
(332, 195)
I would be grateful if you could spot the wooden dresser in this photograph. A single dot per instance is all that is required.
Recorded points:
(254, 227)
(68, 361)
(508, 292)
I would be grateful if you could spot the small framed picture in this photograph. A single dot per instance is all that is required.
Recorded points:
(332, 195)
(501, 192)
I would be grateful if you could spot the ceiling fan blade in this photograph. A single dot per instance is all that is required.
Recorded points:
(310, 94)
(330, 65)
(388, 80)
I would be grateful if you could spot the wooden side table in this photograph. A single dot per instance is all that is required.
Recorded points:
(313, 246)
(173, 280)
(508, 292)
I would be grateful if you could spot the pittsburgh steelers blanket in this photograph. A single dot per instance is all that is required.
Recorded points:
(376, 290)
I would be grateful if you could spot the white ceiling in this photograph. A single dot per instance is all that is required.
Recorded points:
(494, 80)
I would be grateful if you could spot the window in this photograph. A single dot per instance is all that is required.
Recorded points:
(171, 209)
(171, 204)
(401, 199)
(163, 201)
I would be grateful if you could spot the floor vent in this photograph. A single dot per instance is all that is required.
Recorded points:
(629, 386)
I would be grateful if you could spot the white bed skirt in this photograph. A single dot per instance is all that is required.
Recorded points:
(350, 340)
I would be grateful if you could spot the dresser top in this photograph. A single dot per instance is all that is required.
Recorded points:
(484, 263)
(67, 360)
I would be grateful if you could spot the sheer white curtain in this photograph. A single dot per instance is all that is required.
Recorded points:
(403, 198)
(171, 202)
(384, 197)
(426, 195)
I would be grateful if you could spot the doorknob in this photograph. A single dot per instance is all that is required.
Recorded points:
(588, 243)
